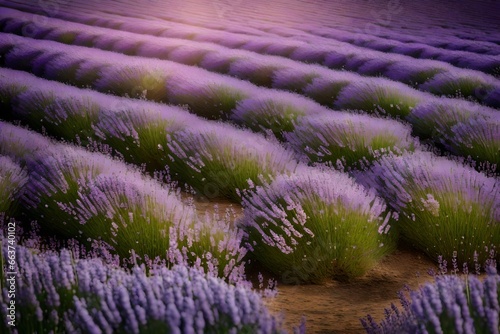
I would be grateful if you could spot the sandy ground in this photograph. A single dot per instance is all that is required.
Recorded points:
(336, 307)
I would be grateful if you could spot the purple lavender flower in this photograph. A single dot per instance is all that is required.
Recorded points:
(273, 111)
(217, 162)
(329, 137)
(448, 305)
(96, 298)
(443, 205)
(308, 225)
(12, 181)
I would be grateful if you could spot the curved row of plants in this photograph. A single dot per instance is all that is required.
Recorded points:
(215, 96)
(218, 160)
(443, 206)
(342, 139)
(477, 58)
(60, 293)
(277, 72)
(393, 41)
(78, 195)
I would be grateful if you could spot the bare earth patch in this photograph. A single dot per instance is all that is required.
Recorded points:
(336, 307)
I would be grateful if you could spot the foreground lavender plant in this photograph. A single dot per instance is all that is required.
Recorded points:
(449, 305)
(443, 205)
(313, 225)
(56, 292)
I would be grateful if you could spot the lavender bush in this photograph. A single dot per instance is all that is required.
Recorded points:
(294, 80)
(443, 206)
(385, 99)
(208, 98)
(12, 181)
(451, 304)
(348, 140)
(139, 133)
(256, 71)
(447, 84)
(272, 112)
(326, 89)
(463, 128)
(479, 139)
(217, 162)
(57, 292)
(134, 81)
(64, 115)
(314, 225)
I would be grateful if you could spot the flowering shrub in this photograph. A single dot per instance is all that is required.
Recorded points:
(59, 293)
(313, 225)
(8, 93)
(462, 128)
(354, 140)
(139, 132)
(395, 99)
(277, 113)
(294, 80)
(479, 139)
(416, 74)
(256, 71)
(66, 116)
(134, 81)
(209, 99)
(326, 89)
(436, 118)
(216, 161)
(443, 206)
(448, 84)
(449, 305)
(12, 181)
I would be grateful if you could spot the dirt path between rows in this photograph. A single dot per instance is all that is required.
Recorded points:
(336, 307)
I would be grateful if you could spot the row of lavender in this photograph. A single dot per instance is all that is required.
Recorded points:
(429, 39)
(460, 127)
(58, 292)
(479, 59)
(452, 203)
(427, 75)
(88, 197)
(136, 303)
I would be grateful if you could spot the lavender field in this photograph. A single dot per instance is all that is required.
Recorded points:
(224, 166)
